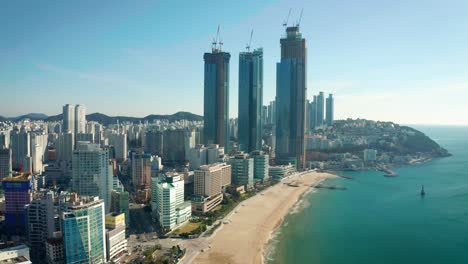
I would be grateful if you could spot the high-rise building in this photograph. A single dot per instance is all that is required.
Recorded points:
(95, 129)
(18, 193)
(216, 98)
(39, 142)
(55, 251)
(91, 173)
(312, 114)
(214, 152)
(210, 180)
(80, 119)
(272, 113)
(68, 118)
(120, 200)
(330, 109)
(197, 157)
(174, 145)
(119, 142)
(6, 166)
(141, 170)
(85, 137)
(154, 142)
(168, 203)
(261, 165)
(4, 139)
(41, 224)
(233, 128)
(250, 100)
(190, 142)
(84, 235)
(65, 144)
(291, 95)
(20, 147)
(242, 170)
(320, 109)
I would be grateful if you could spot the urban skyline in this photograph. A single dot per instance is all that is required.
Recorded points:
(371, 83)
(235, 184)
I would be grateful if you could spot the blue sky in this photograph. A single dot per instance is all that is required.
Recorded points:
(403, 61)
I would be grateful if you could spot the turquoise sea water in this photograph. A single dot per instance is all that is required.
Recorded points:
(385, 220)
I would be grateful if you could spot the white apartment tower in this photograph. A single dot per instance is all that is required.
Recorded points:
(68, 118)
(168, 203)
(80, 119)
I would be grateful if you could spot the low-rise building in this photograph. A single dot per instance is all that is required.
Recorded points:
(15, 255)
(281, 171)
(115, 237)
(370, 155)
(203, 205)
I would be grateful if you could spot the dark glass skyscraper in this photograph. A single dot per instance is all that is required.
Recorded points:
(291, 94)
(250, 100)
(216, 98)
(330, 109)
(312, 114)
(320, 109)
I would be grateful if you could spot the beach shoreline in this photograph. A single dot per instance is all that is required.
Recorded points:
(246, 233)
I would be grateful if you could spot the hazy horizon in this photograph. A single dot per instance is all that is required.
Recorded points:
(400, 61)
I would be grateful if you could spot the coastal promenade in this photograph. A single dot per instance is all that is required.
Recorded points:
(247, 229)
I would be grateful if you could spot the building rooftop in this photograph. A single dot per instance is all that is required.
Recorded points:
(20, 178)
(19, 259)
(212, 167)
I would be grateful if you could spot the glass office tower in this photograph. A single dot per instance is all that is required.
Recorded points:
(216, 98)
(250, 100)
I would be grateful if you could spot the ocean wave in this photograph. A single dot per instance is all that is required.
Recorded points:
(270, 249)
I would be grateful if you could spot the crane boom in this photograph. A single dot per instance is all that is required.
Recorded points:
(250, 41)
(300, 17)
(287, 19)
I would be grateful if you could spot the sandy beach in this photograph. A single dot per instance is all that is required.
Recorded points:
(249, 227)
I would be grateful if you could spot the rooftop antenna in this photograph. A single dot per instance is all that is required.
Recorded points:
(250, 41)
(285, 23)
(300, 18)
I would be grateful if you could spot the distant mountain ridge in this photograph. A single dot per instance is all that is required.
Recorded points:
(106, 120)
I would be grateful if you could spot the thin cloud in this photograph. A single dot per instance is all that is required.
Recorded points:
(96, 78)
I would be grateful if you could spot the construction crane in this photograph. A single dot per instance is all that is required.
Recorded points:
(216, 42)
(300, 18)
(285, 23)
(250, 41)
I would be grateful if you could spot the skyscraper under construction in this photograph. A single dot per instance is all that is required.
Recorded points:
(216, 96)
(291, 98)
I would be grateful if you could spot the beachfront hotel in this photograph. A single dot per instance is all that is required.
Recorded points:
(209, 182)
(167, 202)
